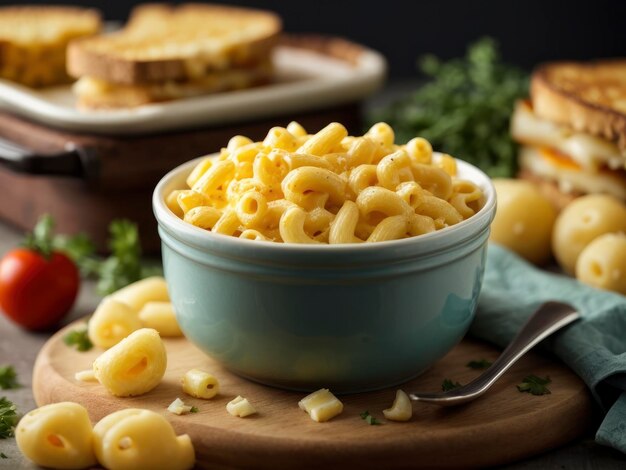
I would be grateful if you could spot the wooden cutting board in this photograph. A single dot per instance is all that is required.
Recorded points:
(503, 426)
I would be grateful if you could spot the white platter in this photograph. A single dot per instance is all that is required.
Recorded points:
(306, 80)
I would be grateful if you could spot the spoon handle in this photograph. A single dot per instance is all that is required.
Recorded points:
(550, 317)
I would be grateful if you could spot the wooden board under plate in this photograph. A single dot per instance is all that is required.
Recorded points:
(503, 426)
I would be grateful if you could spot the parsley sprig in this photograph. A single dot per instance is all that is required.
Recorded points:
(479, 364)
(194, 409)
(121, 268)
(369, 419)
(535, 385)
(448, 385)
(465, 109)
(8, 378)
(78, 339)
(8, 418)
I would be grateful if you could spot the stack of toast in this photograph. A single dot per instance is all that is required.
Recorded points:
(573, 129)
(167, 52)
(163, 52)
(33, 41)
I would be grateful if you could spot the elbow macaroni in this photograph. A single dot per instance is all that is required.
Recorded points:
(161, 317)
(240, 407)
(137, 294)
(133, 366)
(401, 409)
(135, 438)
(111, 323)
(61, 436)
(321, 405)
(200, 384)
(144, 303)
(58, 436)
(328, 187)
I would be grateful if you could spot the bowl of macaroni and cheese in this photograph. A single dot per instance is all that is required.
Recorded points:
(325, 260)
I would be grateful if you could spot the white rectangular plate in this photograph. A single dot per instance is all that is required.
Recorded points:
(306, 80)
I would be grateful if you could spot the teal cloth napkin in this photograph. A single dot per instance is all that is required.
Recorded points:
(593, 347)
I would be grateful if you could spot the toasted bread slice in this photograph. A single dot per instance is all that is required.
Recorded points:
(162, 43)
(588, 97)
(33, 41)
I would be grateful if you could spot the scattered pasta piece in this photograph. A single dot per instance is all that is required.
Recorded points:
(240, 407)
(161, 317)
(200, 384)
(111, 323)
(321, 405)
(401, 409)
(85, 376)
(137, 294)
(134, 438)
(178, 407)
(57, 436)
(134, 366)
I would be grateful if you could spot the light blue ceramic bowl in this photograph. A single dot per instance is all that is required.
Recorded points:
(348, 317)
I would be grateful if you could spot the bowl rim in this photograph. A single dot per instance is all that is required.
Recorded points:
(203, 238)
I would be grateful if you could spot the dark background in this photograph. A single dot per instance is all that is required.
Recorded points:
(528, 31)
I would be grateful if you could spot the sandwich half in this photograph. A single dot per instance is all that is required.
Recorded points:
(34, 39)
(573, 129)
(167, 52)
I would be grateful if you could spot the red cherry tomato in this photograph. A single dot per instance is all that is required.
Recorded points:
(35, 291)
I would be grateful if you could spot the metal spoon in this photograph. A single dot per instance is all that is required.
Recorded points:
(550, 317)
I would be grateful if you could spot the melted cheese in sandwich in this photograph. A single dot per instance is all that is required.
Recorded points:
(590, 152)
(570, 176)
(96, 93)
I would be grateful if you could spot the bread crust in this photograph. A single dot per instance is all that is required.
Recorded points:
(588, 97)
(83, 60)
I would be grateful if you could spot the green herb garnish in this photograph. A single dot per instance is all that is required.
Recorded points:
(79, 339)
(369, 419)
(465, 109)
(535, 385)
(8, 378)
(3, 455)
(194, 409)
(479, 364)
(81, 250)
(8, 418)
(448, 384)
(121, 268)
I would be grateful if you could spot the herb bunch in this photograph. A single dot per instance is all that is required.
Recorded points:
(464, 109)
(8, 378)
(8, 418)
(121, 268)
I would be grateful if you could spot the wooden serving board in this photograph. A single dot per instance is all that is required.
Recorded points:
(503, 426)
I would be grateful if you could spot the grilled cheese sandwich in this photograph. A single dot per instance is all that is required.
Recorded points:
(172, 52)
(572, 137)
(34, 39)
